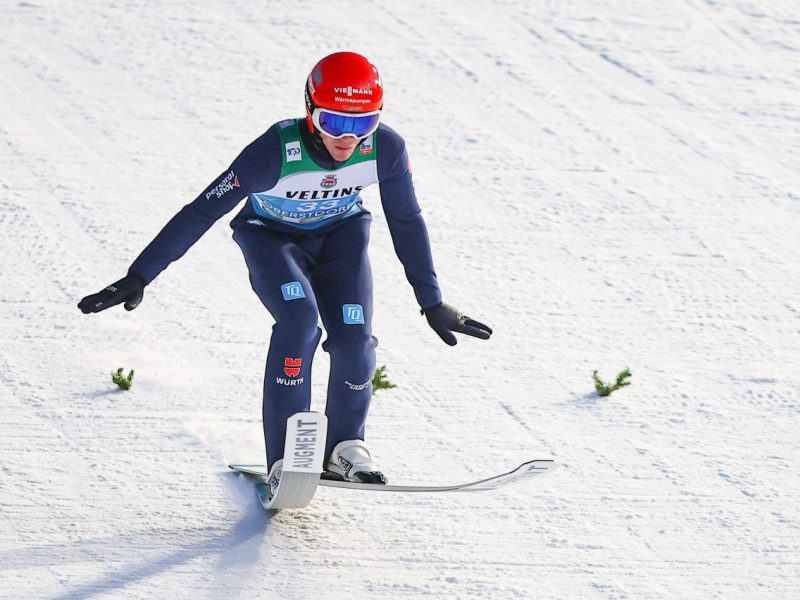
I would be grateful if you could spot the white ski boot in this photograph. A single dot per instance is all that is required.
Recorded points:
(352, 461)
(273, 480)
(274, 477)
(267, 486)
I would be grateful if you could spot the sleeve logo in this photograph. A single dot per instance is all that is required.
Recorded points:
(228, 182)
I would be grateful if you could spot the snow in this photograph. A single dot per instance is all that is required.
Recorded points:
(607, 184)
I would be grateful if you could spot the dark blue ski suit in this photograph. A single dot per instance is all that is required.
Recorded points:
(304, 268)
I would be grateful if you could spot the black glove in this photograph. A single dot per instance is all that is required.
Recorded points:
(129, 290)
(444, 319)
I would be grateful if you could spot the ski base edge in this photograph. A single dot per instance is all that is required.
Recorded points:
(527, 470)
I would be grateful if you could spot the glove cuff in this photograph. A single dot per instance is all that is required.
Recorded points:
(425, 309)
(137, 277)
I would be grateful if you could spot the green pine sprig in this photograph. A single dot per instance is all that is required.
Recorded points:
(123, 382)
(380, 381)
(605, 389)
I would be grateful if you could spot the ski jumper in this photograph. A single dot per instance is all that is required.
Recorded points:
(304, 233)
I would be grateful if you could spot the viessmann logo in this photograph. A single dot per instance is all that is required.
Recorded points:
(350, 90)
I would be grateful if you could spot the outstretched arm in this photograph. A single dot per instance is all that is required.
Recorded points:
(411, 242)
(189, 225)
(257, 165)
(410, 236)
(172, 242)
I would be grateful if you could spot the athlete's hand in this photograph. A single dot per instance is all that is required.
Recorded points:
(129, 290)
(445, 319)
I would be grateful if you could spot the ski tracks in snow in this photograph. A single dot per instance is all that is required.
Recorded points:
(607, 185)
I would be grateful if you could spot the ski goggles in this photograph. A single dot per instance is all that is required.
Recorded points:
(337, 124)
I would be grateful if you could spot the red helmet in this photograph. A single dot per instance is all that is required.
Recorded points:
(344, 82)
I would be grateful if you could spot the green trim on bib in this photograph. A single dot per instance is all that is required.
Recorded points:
(308, 196)
(296, 158)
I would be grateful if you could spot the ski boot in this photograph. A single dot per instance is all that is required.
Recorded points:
(352, 461)
(274, 477)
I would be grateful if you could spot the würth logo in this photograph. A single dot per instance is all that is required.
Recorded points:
(291, 366)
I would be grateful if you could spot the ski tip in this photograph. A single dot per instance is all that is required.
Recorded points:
(541, 463)
(540, 466)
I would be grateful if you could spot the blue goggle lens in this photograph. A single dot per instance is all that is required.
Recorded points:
(357, 125)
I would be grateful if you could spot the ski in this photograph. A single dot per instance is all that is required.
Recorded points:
(295, 485)
(527, 470)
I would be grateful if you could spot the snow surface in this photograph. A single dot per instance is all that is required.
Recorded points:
(608, 184)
